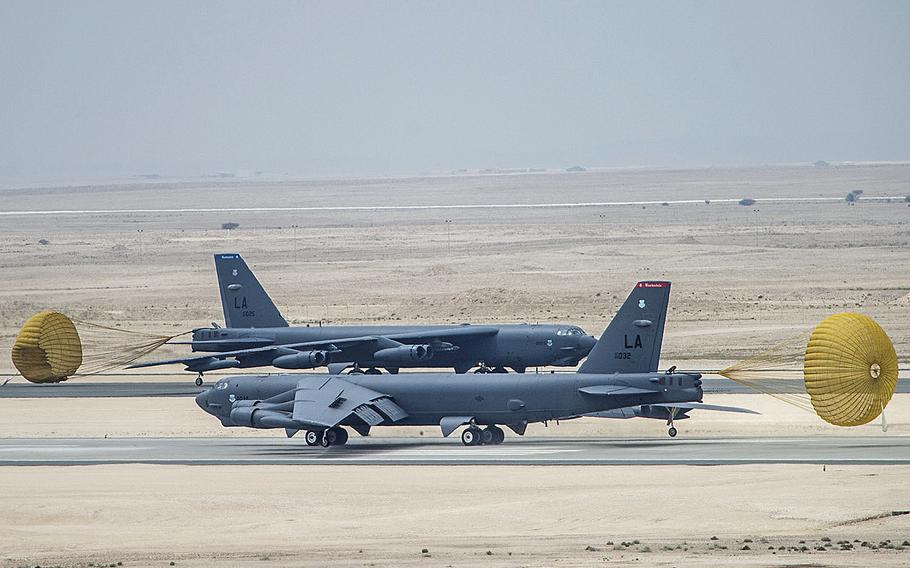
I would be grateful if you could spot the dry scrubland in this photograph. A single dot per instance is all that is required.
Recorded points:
(744, 278)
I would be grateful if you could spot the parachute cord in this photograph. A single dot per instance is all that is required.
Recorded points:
(10, 378)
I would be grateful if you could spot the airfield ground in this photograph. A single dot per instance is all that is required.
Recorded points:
(744, 278)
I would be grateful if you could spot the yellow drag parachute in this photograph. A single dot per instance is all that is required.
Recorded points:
(51, 347)
(850, 369)
(48, 348)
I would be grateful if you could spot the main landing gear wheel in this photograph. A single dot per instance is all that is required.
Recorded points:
(335, 436)
(486, 436)
(493, 435)
(672, 432)
(471, 436)
(313, 437)
(373, 371)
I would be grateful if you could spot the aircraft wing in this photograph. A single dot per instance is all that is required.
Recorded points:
(286, 348)
(391, 340)
(454, 332)
(321, 402)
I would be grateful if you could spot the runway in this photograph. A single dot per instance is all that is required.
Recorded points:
(431, 207)
(880, 450)
(77, 389)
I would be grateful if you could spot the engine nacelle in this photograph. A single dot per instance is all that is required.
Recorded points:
(248, 413)
(302, 360)
(245, 414)
(404, 354)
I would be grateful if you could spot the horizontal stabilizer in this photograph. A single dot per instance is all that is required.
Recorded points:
(715, 407)
(613, 390)
(677, 410)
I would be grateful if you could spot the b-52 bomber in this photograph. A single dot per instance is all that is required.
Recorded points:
(619, 373)
(256, 335)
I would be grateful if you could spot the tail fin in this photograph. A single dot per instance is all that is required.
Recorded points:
(244, 301)
(631, 343)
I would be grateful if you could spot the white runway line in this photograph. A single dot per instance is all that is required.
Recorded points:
(329, 208)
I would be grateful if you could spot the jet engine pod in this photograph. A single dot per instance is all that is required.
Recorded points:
(404, 354)
(302, 360)
(850, 369)
(251, 415)
(48, 348)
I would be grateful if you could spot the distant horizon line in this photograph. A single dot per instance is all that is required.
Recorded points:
(246, 174)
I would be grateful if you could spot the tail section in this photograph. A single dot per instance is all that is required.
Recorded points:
(631, 343)
(244, 301)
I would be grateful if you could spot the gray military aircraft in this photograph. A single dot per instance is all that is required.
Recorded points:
(257, 335)
(619, 373)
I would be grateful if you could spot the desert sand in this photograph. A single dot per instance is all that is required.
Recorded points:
(490, 516)
(744, 278)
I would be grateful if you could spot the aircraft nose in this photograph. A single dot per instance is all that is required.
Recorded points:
(202, 399)
(586, 343)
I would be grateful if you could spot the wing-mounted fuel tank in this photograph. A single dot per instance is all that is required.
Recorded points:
(212, 364)
(301, 360)
(404, 354)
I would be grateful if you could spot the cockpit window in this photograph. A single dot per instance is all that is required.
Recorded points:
(570, 331)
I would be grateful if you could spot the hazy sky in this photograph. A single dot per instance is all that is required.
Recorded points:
(313, 88)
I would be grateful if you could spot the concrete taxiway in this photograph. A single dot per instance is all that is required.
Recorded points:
(882, 450)
(163, 388)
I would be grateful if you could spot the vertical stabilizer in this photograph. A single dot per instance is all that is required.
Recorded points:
(244, 301)
(631, 343)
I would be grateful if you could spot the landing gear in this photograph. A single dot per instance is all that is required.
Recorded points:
(471, 436)
(313, 437)
(373, 371)
(335, 436)
(356, 371)
(495, 433)
(484, 369)
(474, 436)
(672, 430)
(199, 380)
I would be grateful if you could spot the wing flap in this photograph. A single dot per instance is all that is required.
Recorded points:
(368, 415)
(328, 401)
(390, 409)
